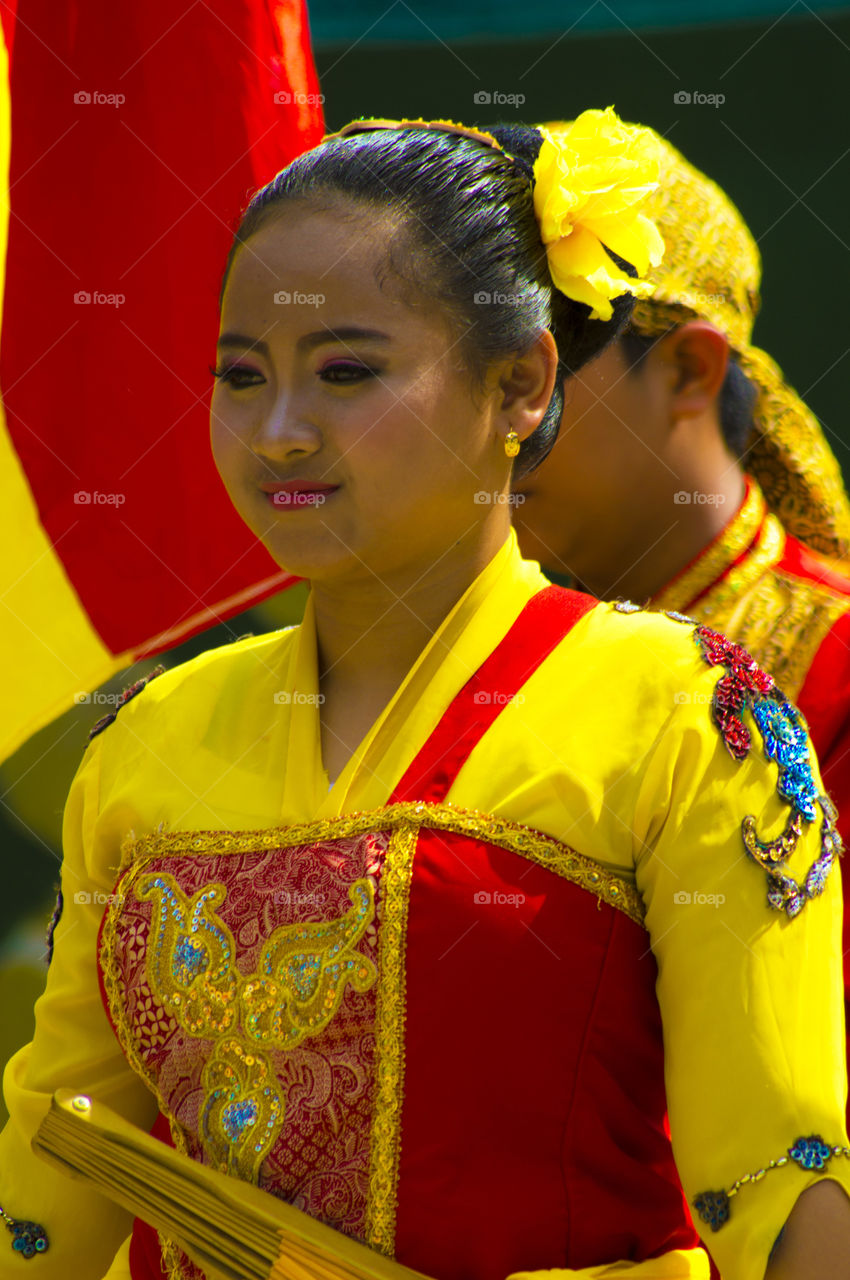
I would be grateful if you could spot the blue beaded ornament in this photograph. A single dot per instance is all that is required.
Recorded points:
(810, 1153)
(29, 1238)
(713, 1208)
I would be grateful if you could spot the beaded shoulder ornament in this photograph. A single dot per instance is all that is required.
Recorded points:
(783, 731)
(786, 742)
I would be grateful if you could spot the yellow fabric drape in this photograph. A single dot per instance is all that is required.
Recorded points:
(610, 749)
(678, 1264)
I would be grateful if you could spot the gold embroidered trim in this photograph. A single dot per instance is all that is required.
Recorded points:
(720, 601)
(171, 1255)
(385, 1139)
(780, 619)
(611, 887)
(718, 555)
(113, 992)
(794, 637)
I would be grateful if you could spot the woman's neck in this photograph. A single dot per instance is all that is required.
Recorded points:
(373, 631)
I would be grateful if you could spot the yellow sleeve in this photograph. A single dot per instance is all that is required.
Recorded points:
(751, 997)
(73, 1047)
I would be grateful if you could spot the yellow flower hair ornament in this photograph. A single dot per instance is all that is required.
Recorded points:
(591, 178)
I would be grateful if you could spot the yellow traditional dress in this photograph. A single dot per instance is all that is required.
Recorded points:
(466, 1066)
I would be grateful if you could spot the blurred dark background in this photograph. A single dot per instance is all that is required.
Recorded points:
(777, 143)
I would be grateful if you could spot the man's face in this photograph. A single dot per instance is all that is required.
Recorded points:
(583, 508)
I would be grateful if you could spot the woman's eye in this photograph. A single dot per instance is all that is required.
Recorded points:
(343, 371)
(237, 376)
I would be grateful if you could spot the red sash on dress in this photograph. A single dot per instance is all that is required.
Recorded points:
(529, 1104)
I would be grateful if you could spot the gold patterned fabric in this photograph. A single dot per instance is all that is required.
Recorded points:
(293, 1027)
(711, 270)
(737, 586)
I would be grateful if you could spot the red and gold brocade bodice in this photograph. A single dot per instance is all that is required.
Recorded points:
(434, 1029)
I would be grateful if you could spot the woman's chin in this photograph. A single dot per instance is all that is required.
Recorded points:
(309, 558)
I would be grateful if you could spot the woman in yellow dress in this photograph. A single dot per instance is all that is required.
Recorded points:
(425, 914)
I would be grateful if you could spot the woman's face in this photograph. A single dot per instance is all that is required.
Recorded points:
(353, 400)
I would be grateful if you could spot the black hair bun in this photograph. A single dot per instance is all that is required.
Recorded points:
(521, 141)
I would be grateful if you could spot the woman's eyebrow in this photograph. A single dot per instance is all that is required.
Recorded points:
(308, 341)
(242, 340)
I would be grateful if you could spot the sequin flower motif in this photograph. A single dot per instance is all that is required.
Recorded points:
(713, 1208)
(744, 686)
(28, 1238)
(810, 1153)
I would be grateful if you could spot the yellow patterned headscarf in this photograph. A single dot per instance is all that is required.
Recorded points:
(711, 270)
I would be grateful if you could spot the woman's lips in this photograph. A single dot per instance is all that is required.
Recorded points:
(297, 493)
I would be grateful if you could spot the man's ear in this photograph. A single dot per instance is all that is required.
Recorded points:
(696, 356)
(526, 383)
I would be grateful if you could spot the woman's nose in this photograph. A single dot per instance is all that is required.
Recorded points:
(285, 432)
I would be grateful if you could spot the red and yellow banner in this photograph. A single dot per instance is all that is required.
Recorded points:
(131, 137)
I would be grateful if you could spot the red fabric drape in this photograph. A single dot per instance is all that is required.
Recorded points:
(138, 134)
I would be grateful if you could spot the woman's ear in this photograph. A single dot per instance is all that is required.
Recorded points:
(696, 357)
(526, 383)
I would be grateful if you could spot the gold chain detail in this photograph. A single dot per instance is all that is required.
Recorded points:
(613, 887)
(385, 1139)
